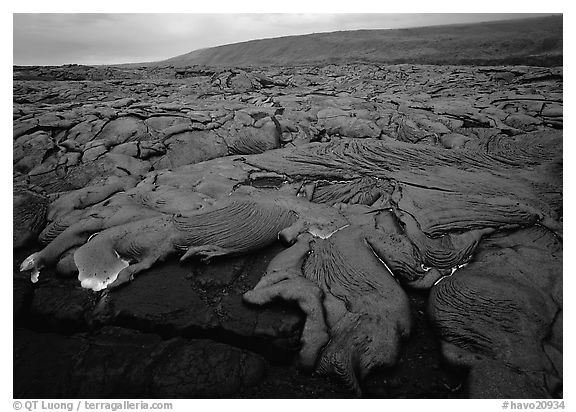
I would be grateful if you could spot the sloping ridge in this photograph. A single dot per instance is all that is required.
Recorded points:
(532, 41)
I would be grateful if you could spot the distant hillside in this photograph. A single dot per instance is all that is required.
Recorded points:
(535, 41)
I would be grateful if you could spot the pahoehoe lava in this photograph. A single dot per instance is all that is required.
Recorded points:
(197, 229)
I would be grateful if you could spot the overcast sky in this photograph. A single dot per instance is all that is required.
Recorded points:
(54, 39)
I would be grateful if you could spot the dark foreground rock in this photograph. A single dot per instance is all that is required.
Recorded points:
(122, 363)
(194, 300)
(49, 358)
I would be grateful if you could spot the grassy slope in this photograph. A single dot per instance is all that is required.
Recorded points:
(536, 41)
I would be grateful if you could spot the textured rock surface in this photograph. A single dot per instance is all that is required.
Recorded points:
(29, 214)
(497, 316)
(377, 179)
(158, 121)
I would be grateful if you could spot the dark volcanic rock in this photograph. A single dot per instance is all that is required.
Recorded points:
(169, 300)
(173, 300)
(405, 102)
(114, 362)
(124, 363)
(414, 172)
(22, 296)
(164, 301)
(42, 364)
(63, 306)
(204, 369)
